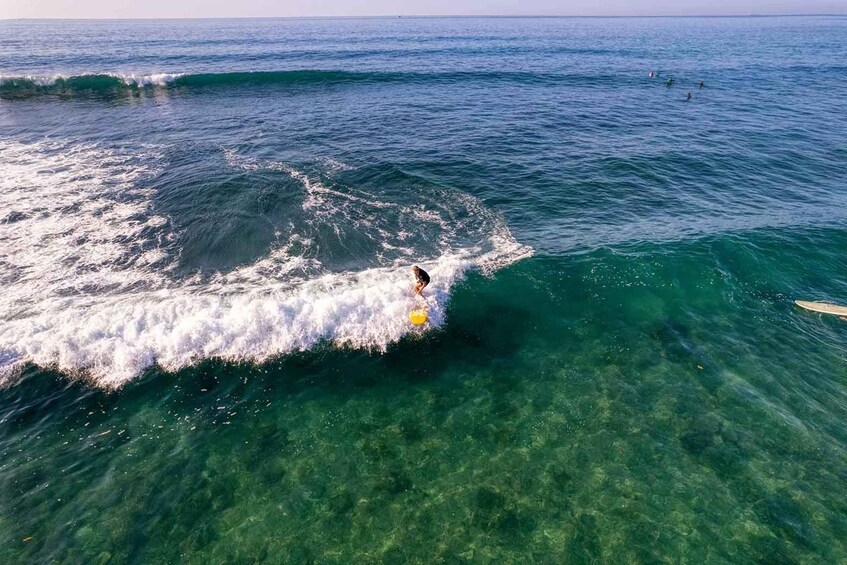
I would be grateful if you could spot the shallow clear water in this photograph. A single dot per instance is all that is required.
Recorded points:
(206, 229)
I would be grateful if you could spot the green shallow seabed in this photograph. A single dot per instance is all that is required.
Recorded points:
(666, 404)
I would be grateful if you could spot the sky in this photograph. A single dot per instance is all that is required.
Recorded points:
(299, 8)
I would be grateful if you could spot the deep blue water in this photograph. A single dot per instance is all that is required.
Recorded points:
(206, 231)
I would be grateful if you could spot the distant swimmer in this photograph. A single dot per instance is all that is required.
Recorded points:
(670, 81)
(689, 97)
(702, 84)
(423, 279)
(651, 75)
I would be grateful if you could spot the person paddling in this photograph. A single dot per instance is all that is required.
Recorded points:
(422, 278)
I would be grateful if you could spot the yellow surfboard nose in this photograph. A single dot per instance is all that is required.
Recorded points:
(418, 317)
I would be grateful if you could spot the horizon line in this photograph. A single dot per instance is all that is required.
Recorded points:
(431, 16)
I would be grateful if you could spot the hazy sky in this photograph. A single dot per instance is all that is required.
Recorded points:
(253, 8)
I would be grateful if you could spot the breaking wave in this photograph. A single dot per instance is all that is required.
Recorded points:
(93, 286)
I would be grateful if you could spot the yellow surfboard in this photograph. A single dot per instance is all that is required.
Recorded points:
(418, 316)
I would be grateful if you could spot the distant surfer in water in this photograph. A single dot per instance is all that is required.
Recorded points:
(423, 279)
(651, 75)
(702, 84)
(689, 97)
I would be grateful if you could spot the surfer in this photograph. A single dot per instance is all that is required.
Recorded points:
(670, 81)
(423, 279)
(651, 75)
(702, 84)
(689, 97)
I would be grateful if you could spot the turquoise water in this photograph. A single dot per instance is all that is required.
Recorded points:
(206, 230)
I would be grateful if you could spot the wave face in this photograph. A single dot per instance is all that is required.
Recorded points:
(117, 84)
(112, 264)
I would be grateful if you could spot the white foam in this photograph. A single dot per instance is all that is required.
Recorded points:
(89, 290)
(156, 79)
(115, 338)
(129, 79)
(70, 210)
(45, 80)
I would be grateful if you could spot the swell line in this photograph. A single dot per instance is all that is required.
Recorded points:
(106, 84)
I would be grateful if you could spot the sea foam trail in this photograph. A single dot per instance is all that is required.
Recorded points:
(89, 287)
(114, 339)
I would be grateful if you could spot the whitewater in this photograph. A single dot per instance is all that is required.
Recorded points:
(94, 288)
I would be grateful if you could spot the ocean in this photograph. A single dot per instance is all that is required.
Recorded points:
(207, 229)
